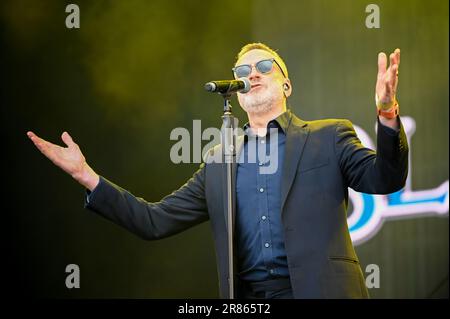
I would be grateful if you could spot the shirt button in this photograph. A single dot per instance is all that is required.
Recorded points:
(267, 245)
(263, 141)
(263, 217)
(261, 190)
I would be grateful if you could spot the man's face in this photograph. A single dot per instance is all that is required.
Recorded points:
(267, 89)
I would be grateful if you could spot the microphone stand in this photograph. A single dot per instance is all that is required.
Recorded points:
(229, 156)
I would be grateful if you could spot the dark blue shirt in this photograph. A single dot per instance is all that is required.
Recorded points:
(259, 231)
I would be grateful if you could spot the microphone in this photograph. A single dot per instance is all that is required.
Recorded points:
(241, 85)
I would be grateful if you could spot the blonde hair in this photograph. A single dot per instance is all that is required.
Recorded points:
(261, 46)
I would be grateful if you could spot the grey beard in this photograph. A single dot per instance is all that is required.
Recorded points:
(261, 104)
(258, 108)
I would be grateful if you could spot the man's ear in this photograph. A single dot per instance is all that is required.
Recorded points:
(287, 88)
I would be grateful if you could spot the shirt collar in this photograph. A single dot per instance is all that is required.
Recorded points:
(281, 122)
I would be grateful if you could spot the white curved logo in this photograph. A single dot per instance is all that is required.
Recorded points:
(370, 211)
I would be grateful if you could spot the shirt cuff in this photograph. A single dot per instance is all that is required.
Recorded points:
(90, 194)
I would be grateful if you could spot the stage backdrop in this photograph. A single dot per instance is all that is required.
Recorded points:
(134, 70)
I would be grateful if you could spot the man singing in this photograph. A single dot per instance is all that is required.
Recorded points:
(291, 233)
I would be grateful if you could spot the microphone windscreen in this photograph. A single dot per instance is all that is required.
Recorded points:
(210, 86)
(247, 85)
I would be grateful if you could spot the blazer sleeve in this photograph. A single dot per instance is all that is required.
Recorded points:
(381, 172)
(176, 212)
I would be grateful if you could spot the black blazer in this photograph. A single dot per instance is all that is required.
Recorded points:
(322, 159)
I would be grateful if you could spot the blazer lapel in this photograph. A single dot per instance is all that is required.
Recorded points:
(296, 138)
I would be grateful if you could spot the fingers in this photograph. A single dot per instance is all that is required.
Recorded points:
(394, 79)
(387, 78)
(36, 139)
(393, 73)
(394, 58)
(397, 61)
(394, 61)
(67, 139)
(394, 66)
(391, 59)
(382, 63)
(397, 56)
(40, 143)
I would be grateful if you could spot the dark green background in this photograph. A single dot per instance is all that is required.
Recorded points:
(135, 70)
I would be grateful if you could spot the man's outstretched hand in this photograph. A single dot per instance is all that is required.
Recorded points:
(387, 79)
(70, 159)
(386, 87)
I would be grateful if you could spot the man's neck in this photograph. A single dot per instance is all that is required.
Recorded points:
(258, 122)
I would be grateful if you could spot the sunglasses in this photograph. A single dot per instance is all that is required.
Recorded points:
(263, 67)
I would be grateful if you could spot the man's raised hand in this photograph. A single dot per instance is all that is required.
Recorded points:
(387, 79)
